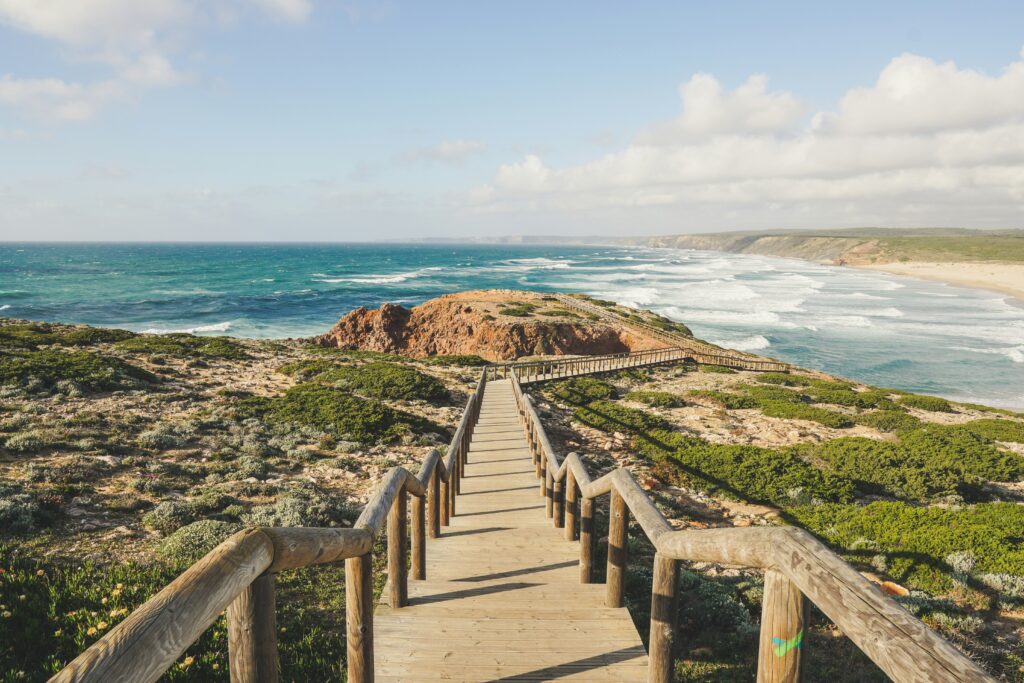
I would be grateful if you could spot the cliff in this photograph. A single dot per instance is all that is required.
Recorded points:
(496, 325)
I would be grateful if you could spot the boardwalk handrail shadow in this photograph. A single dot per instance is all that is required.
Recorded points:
(797, 567)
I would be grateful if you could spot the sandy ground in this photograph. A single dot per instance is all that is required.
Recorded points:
(1000, 277)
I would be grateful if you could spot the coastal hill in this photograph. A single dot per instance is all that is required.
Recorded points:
(973, 258)
(125, 457)
(494, 324)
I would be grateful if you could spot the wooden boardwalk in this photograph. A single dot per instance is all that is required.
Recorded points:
(502, 599)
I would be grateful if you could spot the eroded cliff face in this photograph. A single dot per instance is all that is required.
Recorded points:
(477, 323)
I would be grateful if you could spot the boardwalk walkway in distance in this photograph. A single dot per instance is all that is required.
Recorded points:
(502, 599)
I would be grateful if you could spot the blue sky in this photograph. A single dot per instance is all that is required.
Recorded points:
(302, 119)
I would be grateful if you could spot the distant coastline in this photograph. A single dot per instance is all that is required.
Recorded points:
(991, 260)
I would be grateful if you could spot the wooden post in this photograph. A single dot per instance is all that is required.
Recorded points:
(571, 532)
(587, 540)
(559, 504)
(618, 523)
(398, 586)
(252, 634)
(664, 607)
(543, 474)
(447, 503)
(549, 493)
(419, 538)
(783, 627)
(434, 503)
(456, 479)
(359, 618)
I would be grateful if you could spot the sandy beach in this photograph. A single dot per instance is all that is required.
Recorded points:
(1006, 278)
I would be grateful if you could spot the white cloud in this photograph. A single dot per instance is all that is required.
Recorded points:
(133, 38)
(925, 137)
(708, 110)
(448, 151)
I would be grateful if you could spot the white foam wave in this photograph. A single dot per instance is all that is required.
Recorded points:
(379, 279)
(214, 327)
(5, 307)
(752, 343)
(1014, 353)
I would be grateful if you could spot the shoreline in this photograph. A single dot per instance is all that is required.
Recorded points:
(1003, 278)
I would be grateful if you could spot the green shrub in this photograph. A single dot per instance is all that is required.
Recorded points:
(802, 411)
(771, 393)
(889, 420)
(931, 403)
(927, 462)
(30, 336)
(384, 380)
(848, 397)
(718, 369)
(304, 369)
(517, 309)
(656, 399)
(191, 542)
(712, 615)
(747, 472)
(782, 378)
(49, 370)
(612, 417)
(179, 345)
(996, 430)
(169, 516)
(918, 540)
(336, 411)
(462, 360)
(19, 511)
(583, 390)
(724, 399)
(302, 509)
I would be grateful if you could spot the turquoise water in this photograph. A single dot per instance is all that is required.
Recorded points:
(887, 330)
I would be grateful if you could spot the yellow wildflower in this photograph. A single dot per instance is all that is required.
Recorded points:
(91, 631)
(102, 625)
(103, 601)
(5, 614)
(119, 586)
(40, 572)
(58, 633)
(187, 661)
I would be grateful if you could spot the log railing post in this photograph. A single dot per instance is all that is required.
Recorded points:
(434, 503)
(398, 586)
(571, 532)
(543, 474)
(549, 493)
(252, 634)
(618, 524)
(558, 501)
(418, 526)
(587, 540)
(447, 501)
(783, 626)
(359, 618)
(664, 606)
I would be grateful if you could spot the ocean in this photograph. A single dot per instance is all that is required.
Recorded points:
(891, 331)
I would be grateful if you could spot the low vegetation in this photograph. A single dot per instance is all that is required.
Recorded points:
(656, 399)
(583, 390)
(48, 371)
(184, 346)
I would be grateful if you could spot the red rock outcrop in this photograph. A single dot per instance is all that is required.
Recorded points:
(473, 323)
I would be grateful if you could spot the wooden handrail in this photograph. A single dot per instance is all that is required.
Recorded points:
(796, 566)
(237, 576)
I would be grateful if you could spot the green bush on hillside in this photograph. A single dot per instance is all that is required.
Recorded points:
(917, 541)
(931, 403)
(50, 370)
(180, 345)
(802, 411)
(30, 336)
(583, 390)
(718, 369)
(612, 417)
(888, 420)
(385, 380)
(783, 378)
(927, 462)
(724, 399)
(750, 473)
(996, 430)
(656, 399)
(461, 360)
(336, 411)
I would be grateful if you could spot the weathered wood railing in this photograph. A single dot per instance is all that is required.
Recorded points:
(797, 568)
(558, 368)
(238, 576)
(699, 351)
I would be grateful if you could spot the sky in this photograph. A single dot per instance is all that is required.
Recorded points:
(376, 119)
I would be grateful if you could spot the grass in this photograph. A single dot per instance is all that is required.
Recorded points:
(383, 380)
(918, 542)
(583, 390)
(336, 411)
(51, 370)
(749, 473)
(184, 346)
